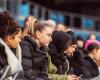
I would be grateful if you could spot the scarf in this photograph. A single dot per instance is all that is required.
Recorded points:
(13, 61)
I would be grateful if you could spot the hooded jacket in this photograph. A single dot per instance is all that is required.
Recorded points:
(57, 48)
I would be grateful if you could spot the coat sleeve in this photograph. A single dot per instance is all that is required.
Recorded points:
(27, 61)
(3, 60)
(39, 61)
(52, 71)
(85, 70)
(30, 60)
(1, 66)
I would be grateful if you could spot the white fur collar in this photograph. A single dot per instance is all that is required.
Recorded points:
(13, 61)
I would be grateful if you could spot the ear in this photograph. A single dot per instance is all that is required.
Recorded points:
(94, 51)
(7, 39)
(38, 34)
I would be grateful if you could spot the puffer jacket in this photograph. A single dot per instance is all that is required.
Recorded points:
(34, 60)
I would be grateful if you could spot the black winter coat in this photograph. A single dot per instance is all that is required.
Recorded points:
(57, 48)
(88, 68)
(34, 60)
(76, 61)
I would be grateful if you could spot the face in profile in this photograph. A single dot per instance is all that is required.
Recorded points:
(97, 55)
(80, 43)
(13, 40)
(70, 50)
(45, 36)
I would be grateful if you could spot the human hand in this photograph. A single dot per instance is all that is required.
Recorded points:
(72, 77)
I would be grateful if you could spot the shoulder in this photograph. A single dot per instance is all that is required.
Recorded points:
(2, 49)
(3, 56)
(87, 61)
(1, 46)
(28, 41)
(25, 41)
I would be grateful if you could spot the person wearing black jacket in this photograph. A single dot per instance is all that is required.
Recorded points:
(60, 42)
(88, 67)
(34, 49)
(57, 48)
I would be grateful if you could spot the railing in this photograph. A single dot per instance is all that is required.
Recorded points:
(73, 20)
(76, 21)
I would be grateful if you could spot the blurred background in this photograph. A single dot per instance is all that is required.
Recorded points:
(82, 16)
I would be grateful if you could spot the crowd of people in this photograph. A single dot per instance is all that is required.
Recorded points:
(44, 50)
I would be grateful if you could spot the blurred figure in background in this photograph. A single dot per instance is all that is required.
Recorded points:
(90, 41)
(29, 25)
(29, 20)
(52, 23)
(80, 48)
(80, 42)
(61, 27)
(92, 36)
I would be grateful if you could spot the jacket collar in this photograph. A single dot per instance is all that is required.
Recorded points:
(35, 45)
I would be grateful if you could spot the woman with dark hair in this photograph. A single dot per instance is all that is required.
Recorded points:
(73, 55)
(89, 68)
(61, 41)
(10, 33)
(57, 48)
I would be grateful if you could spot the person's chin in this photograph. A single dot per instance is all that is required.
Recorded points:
(70, 55)
(46, 45)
